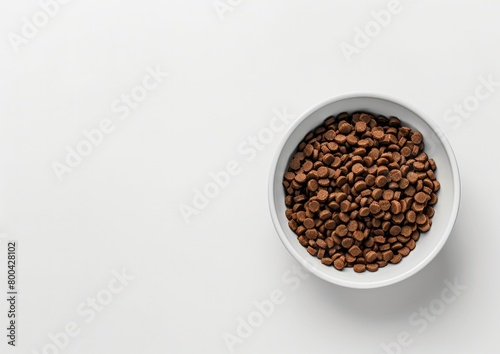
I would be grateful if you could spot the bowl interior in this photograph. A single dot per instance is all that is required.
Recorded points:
(436, 146)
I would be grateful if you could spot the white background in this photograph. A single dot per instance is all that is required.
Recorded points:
(119, 209)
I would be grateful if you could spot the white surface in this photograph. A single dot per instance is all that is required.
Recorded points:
(436, 146)
(119, 208)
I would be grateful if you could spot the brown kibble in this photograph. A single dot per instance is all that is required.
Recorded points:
(359, 268)
(396, 259)
(380, 181)
(321, 243)
(395, 207)
(322, 195)
(329, 135)
(360, 186)
(395, 230)
(374, 208)
(388, 194)
(308, 150)
(395, 175)
(378, 134)
(312, 185)
(289, 176)
(295, 164)
(416, 138)
(411, 216)
(377, 194)
(339, 264)
(326, 261)
(371, 256)
(312, 251)
(406, 231)
(300, 178)
(384, 205)
(322, 172)
(347, 242)
(360, 190)
(421, 219)
(314, 206)
(387, 255)
(352, 226)
(345, 128)
(405, 251)
(359, 235)
(355, 251)
(309, 223)
(340, 139)
(328, 159)
(311, 234)
(364, 211)
(330, 225)
(341, 230)
(360, 127)
(358, 169)
(421, 197)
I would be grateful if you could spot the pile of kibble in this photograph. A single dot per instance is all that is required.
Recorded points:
(360, 190)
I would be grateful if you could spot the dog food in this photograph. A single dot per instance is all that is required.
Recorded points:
(360, 190)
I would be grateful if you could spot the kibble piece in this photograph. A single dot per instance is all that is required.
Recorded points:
(322, 195)
(387, 255)
(374, 208)
(355, 251)
(359, 235)
(395, 230)
(341, 230)
(359, 268)
(314, 206)
(322, 172)
(300, 178)
(309, 223)
(380, 181)
(327, 261)
(358, 169)
(371, 256)
(312, 185)
(360, 127)
(347, 242)
(339, 264)
(416, 138)
(311, 234)
(312, 251)
(388, 194)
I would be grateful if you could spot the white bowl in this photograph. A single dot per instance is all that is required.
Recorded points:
(446, 209)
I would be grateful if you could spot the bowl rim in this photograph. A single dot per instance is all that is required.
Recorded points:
(456, 192)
